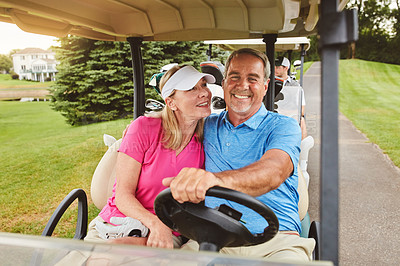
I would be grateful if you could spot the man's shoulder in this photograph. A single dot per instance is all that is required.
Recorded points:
(279, 120)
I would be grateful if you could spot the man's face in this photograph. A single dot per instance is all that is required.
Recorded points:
(244, 86)
(281, 71)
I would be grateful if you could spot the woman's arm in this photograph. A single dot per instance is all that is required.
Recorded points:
(128, 172)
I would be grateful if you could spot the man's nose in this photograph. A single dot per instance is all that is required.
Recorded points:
(242, 83)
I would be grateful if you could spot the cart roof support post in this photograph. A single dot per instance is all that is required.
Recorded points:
(336, 28)
(138, 76)
(289, 53)
(209, 52)
(302, 54)
(270, 40)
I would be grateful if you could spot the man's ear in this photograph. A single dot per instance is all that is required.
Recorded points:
(266, 86)
(170, 103)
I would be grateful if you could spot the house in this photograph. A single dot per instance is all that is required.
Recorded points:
(35, 64)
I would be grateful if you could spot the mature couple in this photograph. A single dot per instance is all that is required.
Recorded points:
(245, 148)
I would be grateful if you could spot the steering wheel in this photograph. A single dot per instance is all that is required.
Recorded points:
(214, 229)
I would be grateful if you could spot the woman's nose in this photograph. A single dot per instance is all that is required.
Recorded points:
(204, 92)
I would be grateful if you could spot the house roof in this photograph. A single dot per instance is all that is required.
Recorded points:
(33, 51)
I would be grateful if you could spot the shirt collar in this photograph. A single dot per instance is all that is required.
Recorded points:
(289, 79)
(253, 122)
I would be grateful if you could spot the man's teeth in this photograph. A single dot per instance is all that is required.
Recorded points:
(203, 104)
(241, 96)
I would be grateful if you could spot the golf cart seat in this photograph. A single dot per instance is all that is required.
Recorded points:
(104, 176)
(288, 102)
(306, 144)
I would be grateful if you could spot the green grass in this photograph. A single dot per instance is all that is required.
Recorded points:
(306, 66)
(369, 96)
(6, 82)
(42, 160)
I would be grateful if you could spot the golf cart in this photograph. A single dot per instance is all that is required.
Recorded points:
(156, 20)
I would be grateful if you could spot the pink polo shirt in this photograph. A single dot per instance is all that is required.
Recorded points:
(142, 142)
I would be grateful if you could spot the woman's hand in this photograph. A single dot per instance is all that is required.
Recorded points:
(160, 236)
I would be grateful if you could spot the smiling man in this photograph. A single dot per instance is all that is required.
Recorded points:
(254, 151)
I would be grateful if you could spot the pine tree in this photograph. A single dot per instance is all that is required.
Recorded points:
(66, 92)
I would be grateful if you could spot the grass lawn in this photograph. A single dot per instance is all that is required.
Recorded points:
(42, 160)
(6, 82)
(306, 66)
(369, 96)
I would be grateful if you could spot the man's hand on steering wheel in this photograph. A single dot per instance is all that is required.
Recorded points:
(191, 184)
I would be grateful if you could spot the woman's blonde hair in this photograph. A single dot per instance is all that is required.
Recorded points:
(172, 133)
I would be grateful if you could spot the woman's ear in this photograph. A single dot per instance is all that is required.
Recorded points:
(170, 103)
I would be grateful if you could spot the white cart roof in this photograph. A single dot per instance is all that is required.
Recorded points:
(163, 19)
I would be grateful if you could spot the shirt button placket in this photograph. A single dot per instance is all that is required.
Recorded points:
(228, 143)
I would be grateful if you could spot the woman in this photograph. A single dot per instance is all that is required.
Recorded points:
(156, 147)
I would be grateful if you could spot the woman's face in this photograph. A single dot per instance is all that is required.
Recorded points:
(193, 104)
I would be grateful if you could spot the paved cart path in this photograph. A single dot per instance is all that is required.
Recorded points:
(369, 188)
(22, 93)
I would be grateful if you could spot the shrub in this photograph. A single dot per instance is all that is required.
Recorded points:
(15, 76)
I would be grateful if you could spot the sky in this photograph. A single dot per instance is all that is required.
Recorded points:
(12, 37)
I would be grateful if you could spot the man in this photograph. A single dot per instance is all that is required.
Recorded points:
(253, 151)
(282, 65)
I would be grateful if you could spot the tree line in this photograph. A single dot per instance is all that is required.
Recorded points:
(379, 33)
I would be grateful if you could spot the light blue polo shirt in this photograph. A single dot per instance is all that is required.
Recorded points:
(228, 147)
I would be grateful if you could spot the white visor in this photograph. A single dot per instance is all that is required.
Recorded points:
(183, 80)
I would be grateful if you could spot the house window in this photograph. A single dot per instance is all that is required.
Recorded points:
(22, 57)
(23, 67)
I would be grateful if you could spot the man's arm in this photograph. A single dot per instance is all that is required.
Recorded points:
(267, 174)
